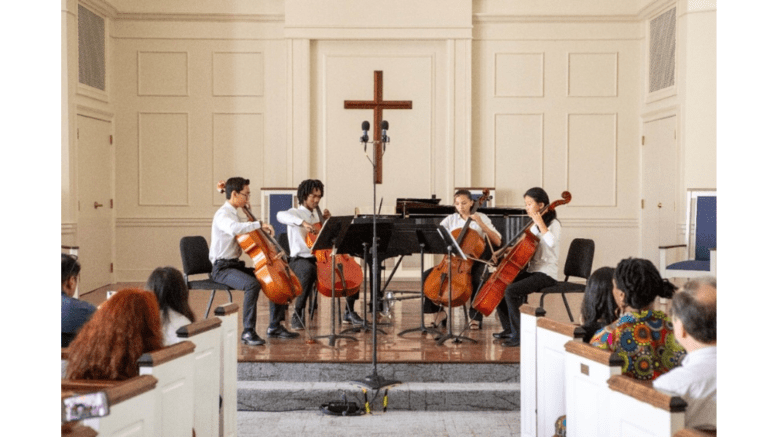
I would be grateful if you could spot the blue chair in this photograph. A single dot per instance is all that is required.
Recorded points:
(701, 239)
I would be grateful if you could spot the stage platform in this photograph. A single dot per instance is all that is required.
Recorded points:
(413, 347)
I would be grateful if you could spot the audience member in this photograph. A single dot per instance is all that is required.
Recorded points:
(74, 312)
(172, 295)
(598, 307)
(108, 346)
(642, 336)
(694, 316)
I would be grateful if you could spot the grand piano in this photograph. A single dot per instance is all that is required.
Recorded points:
(508, 221)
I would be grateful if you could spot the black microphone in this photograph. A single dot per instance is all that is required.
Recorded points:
(365, 132)
(384, 127)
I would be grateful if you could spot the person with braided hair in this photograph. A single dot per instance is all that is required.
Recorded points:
(299, 222)
(643, 337)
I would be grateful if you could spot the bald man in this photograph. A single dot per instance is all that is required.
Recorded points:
(694, 316)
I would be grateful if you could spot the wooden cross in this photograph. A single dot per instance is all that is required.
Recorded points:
(377, 104)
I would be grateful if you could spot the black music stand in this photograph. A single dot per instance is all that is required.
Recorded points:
(429, 238)
(330, 237)
(451, 248)
(357, 242)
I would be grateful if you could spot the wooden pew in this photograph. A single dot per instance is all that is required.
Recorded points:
(173, 367)
(529, 316)
(227, 313)
(690, 432)
(132, 405)
(206, 336)
(551, 338)
(637, 409)
(587, 370)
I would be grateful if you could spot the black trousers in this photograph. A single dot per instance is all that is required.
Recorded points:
(235, 274)
(307, 273)
(516, 294)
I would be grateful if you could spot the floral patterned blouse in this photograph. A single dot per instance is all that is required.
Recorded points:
(645, 340)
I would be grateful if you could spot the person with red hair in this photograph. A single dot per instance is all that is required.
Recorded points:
(121, 330)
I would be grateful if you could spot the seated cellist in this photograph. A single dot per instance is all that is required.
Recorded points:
(541, 270)
(299, 222)
(229, 269)
(464, 204)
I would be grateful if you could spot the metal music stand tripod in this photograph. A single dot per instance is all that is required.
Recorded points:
(428, 238)
(330, 237)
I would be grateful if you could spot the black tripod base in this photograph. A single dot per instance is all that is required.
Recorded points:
(422, 330)
(366, 327)
(456, 339)
(376, 382)
(333, 338)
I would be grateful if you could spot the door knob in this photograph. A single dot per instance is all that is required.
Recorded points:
(97, 205)
(659, 204)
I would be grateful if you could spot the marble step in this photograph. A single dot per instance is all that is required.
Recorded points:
(276, 396)
(405, 372)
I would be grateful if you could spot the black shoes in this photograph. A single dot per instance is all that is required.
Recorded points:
(502, 335)
(296, 323)
(251, 338)
(352, 318)
(281, 332)
(513, 342)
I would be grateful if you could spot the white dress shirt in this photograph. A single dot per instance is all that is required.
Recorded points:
(545, 259)
(226, 226)
(297, 234)
(696, 382)
(455, 221)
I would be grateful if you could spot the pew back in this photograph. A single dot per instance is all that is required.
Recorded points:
(206, 336)
(529, 316)
(587, 370)
(173, 367)
(638, 410)
(132, 405)
(227, 313)
(551, 338)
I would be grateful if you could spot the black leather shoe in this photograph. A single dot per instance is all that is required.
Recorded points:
(513, 342)
(296, 323)
(502, 335)
(251, 338)
(281, 332)
(352, 318)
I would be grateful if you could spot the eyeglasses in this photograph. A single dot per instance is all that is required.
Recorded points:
(248, 196)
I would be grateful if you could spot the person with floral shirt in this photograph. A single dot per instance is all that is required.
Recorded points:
(642, 336)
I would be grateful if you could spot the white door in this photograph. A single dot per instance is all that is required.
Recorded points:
(95, 213)
(659, 187)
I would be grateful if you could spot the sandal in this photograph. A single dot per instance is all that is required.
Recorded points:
(475, 325)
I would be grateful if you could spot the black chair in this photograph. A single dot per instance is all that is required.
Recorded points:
(580, 258)
(194, 256)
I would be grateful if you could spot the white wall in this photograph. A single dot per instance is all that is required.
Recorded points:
(505, 94)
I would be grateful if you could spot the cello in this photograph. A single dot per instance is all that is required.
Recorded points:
(271, 269)
(436, 284)
(517, 255)
(347, 270)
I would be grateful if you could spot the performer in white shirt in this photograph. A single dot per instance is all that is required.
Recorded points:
(299, 222)
(229, 269)
(541, 271)
(694, 317)
(464, 204)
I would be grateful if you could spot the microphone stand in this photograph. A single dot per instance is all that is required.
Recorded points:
(375, 381)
